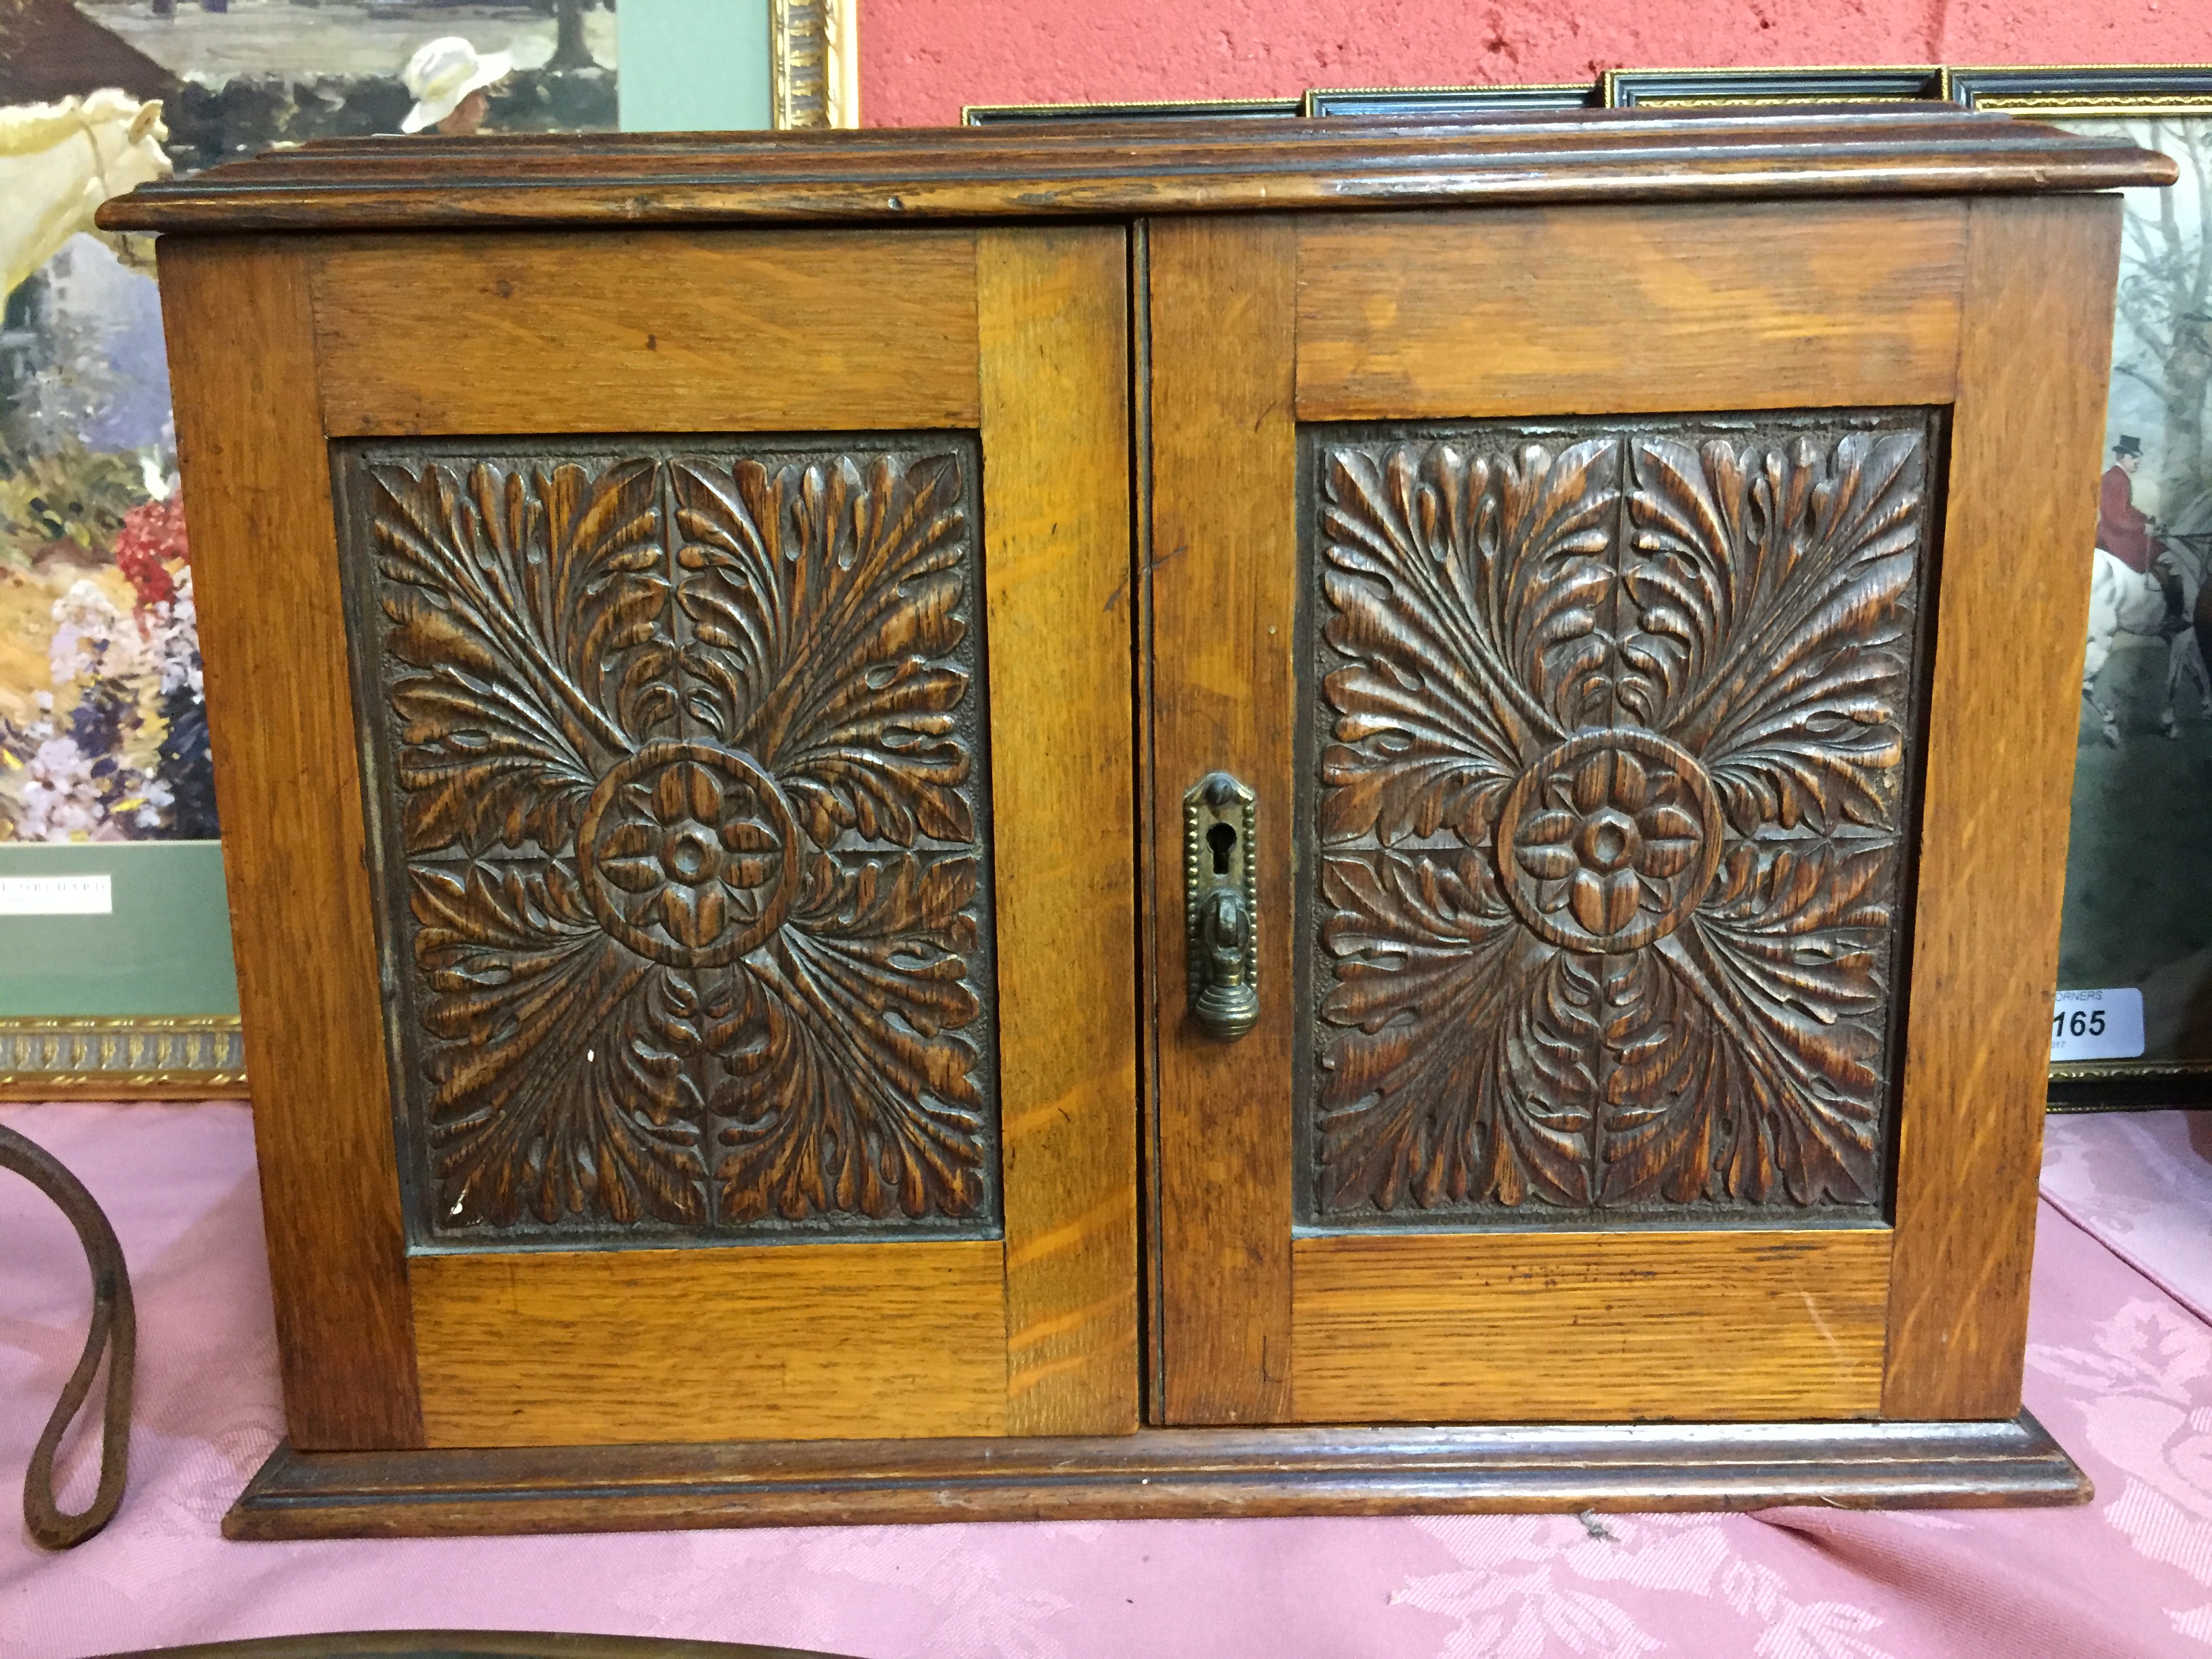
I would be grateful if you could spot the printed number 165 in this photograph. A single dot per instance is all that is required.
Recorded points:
(2080, 1023)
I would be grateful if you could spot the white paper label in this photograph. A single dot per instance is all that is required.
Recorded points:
(2097, 1024)
(56, 896)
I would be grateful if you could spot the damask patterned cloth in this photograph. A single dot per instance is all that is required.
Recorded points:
(2120, 1369)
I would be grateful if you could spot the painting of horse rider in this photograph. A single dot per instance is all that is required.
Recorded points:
(103, 732)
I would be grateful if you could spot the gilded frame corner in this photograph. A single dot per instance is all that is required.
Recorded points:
(814, 62)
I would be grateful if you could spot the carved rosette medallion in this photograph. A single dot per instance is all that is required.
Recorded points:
(1612, 800)
(688, 854)
(1608, 841)
(681, 836)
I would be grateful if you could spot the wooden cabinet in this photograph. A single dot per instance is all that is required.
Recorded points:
(1149, 821)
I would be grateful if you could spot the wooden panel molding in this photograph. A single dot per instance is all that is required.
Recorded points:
(1629, 309)
(1595, 1328)
(618, 182)
(2002, 708)
(793, 1341)
(1615, 734)
(713, 332)
(684, 835)
(238, 317)
(1054, 310)
(1224, 598)
(1158, 1473)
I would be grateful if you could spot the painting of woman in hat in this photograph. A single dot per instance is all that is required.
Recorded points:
(452, 85)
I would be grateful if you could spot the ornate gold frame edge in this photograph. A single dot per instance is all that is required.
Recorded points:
(181, 1057)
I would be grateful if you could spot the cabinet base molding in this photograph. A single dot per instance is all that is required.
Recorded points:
(1157, 1473)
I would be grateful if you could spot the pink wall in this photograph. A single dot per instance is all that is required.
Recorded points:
(922, 59)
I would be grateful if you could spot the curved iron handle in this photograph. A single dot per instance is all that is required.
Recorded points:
(1227, 1005)
(114, 1328)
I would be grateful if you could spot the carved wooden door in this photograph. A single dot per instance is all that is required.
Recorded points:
(737, 633)
(1563, 585)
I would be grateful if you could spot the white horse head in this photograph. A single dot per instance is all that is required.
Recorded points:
(58, 162)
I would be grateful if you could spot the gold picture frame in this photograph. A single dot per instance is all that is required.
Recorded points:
(814, 65)
(196, 1057)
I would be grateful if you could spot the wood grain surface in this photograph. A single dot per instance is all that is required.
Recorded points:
(1153, 166)
(2012, 607)
(1157, 1474)
(1622, 309)
(793, 1341)
(1589, 1327)
(1053, 307)
(659, 331)
(280, 706)
(1224, 581)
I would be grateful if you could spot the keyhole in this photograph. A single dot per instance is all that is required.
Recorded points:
(1223, 840)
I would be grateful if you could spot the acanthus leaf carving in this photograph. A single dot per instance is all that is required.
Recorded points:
(1611, 810)
(688, 847)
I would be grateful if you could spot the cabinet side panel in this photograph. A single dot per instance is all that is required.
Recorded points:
(1052, 312)
(776, 1342)
(1224, 584)
(1767, 1326)
(1629, 309)
(654, 330)
(2012, 605)
(264, 566)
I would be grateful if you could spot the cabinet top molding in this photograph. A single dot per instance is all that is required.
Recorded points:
(1139, 166)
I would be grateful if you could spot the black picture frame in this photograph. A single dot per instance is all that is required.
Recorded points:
(1697, 88)
(1423, 103)
(1233, 109)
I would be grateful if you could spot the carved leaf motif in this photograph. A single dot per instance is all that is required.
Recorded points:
(528, 606)
(1656, 688)
(845, 1085)
(1742, 1063)
(1434, 980)
(672, 961)
(823, 602)
(562, 1089)
(1465, 597)
(1770, 636)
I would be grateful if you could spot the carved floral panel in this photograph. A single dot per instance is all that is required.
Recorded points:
(679, 767)
(1612, 791)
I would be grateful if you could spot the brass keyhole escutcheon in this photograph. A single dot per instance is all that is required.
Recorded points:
(1220, 906)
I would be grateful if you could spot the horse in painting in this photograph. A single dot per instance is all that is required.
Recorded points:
(58, 162)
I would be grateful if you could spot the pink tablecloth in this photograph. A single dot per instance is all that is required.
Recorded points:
(2121, 1369)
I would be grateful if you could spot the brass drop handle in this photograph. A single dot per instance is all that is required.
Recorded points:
(1220, 891)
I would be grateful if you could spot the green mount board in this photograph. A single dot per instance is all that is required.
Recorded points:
(165, 951)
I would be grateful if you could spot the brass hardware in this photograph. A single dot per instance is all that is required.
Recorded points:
(1220, 892)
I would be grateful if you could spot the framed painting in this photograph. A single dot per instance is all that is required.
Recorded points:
(1696, 88)
(115, 974)
(2132, 1026)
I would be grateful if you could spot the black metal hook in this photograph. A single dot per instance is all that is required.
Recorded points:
(114, 1329)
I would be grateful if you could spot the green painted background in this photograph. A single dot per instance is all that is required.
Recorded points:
(693, 66)
(165, 950)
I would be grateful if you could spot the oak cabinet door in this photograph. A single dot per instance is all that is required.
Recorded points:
(1645, 1026)
(692, 737)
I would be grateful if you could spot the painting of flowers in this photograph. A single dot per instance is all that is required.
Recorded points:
(103, 728)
